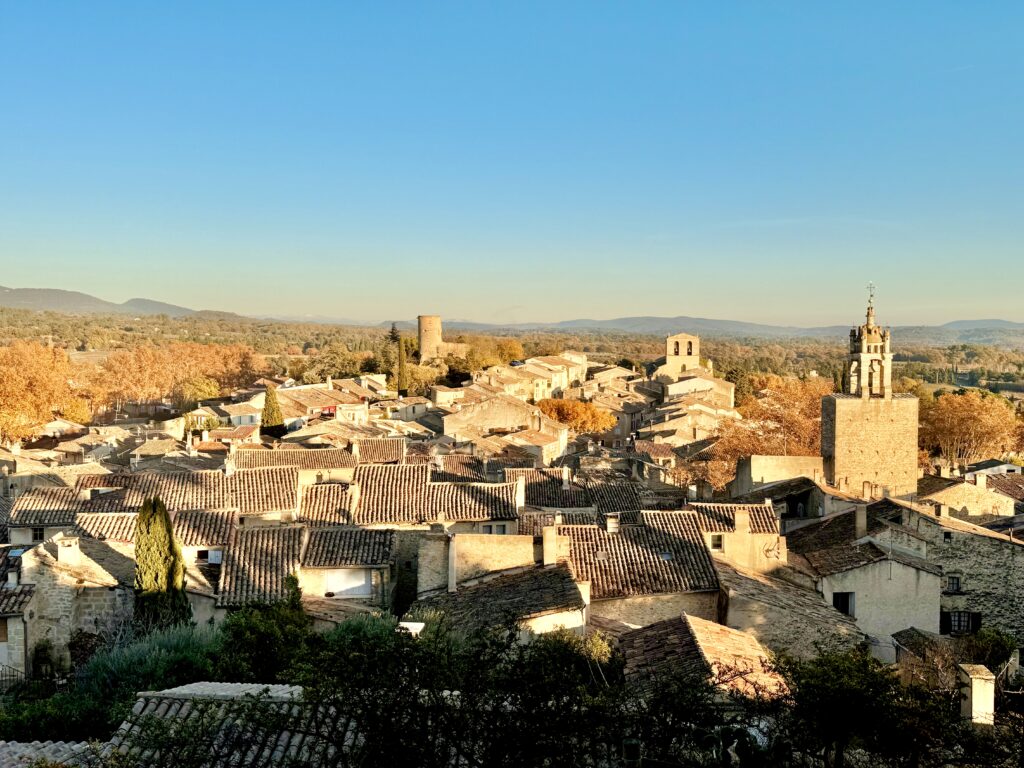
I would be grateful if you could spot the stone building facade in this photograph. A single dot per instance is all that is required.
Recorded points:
(868, 433)
(983, 571)
(79, 585)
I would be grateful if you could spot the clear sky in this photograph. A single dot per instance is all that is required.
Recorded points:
(519, 161)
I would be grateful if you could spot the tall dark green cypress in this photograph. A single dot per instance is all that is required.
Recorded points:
(160, 599)
(402, 379)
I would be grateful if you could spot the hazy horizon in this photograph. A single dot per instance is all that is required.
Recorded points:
(528, 163)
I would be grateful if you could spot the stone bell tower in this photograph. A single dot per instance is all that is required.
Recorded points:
(869, 365)
(868, 433)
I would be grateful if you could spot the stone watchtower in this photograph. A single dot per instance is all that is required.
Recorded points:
(868, 433)
(429, 327)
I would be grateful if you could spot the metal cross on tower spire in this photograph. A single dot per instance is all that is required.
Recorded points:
(871, 294)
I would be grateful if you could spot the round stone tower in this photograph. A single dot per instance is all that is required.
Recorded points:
(430, 337)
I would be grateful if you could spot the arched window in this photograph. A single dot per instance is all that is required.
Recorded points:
(677, 348)
(689, 347)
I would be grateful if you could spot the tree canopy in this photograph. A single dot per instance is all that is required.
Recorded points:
(160, 599)
(579, 416)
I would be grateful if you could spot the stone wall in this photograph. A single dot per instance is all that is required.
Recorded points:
(990, 567)
(647, 609)
(971, 502)
(475, 555)
(870, 440)
(754, 471)
(16, 648)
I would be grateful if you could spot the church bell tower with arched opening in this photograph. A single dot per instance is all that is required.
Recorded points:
(869, 365)
(869, 433)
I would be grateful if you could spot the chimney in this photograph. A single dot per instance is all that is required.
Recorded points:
(981, 480)
(944, 471)
(520, 492)
(453, 571)
(866, 491)
(68, 551)
(12, 578)
(439, 463)
(205, 435)
(354, 447)
(941, 510)
(15, 449)
(566, 480)
(550, 544)
(611, 522)
(229, 466)
(860, 518)
(741, 519)
(84, 494)
(330, 382)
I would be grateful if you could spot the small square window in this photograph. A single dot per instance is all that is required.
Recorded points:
(947, 536)
(216, 556)
(203, 555)
(717, 542)
(952, 583)
(844, 602)
(487, 528)
(38, 534)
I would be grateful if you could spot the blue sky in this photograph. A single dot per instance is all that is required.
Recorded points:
(519, 161)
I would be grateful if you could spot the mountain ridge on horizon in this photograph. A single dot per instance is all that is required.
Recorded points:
(76, 302)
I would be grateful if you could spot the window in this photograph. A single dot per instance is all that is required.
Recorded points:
(947, 536)
(844, 602)
(3, 630)
(216, 556)
(38, 534)
(952, 583)
(717, 542)
(496, 528)
(203, 555)
(959, 621)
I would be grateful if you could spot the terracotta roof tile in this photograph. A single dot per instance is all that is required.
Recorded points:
(303, 458)
(665, 554)
(257, 562)
(381, 450)
(545, 488)
(721, 518)
(14, 599)
(204, 527)
(326, 504)
(118, 526)
(507, 598)
(348, 547)
(699, 649)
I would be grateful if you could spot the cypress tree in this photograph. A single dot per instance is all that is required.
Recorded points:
(271, 410)
(402, 379)
(393, 335)
(160, 599)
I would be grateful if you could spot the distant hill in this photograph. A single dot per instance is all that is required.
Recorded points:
(991, 332)
(76, 303)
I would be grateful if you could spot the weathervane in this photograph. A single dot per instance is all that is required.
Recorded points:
(871, 294)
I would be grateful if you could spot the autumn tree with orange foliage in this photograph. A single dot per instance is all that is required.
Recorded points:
(36, 385)
(181, 371)
(585, 418)
(783, 418)
(962, 428)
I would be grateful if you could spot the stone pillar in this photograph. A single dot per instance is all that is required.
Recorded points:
(979, 694)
